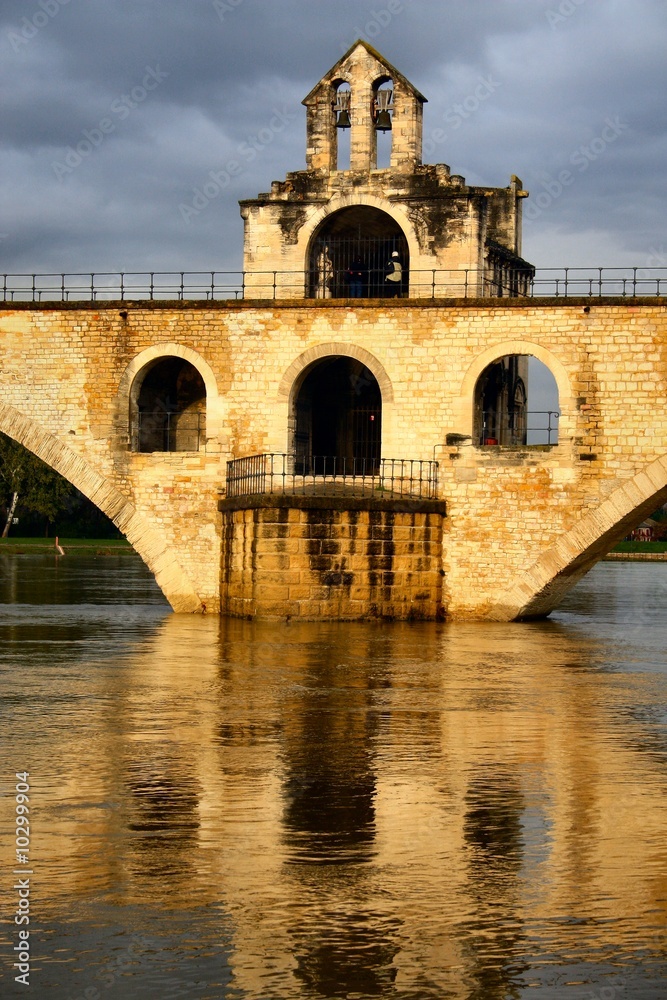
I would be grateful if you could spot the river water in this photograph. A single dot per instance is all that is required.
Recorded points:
(232, 809)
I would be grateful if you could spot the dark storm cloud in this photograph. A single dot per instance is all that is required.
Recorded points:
(119, 116)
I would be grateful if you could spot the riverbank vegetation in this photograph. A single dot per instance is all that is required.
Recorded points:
(39, 502)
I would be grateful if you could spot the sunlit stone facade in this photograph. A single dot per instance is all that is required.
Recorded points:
(452, 235)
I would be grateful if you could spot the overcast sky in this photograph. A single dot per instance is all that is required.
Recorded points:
(115, 112)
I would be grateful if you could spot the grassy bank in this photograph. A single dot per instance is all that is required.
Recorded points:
(641, 547)
(84, 546)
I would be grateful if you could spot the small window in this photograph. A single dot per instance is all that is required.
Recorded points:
(516, 403)
(170, 409)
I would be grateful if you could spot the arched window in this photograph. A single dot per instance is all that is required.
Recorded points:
(358, 233)
(341, 108)
(516, 403)
(383, 113)
(168, 409)
(337, 418)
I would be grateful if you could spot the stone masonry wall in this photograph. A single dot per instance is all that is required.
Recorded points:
(67, 371)
(320, 562)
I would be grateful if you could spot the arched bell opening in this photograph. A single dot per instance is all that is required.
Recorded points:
(351, 255)
(337, 419)
(168, 407)
(516, 403)
(341, 135)
(382, 113)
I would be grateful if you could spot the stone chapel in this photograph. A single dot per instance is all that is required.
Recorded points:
(365, 195)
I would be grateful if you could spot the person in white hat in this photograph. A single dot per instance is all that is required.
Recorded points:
(393, 278)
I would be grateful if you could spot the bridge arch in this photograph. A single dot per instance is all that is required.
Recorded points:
(465, 406)
(130, 385)
(287, 382)
(150, 545)
(368, 379)
(540, 587)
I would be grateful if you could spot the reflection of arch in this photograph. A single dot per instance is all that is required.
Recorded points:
(146, 367)
(359, 232)
(540, 588)
(149, 543)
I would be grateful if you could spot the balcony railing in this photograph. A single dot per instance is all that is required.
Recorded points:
(566, 282)
(539, 427)
(385, 478)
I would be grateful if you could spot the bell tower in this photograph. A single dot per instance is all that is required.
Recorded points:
(380, 100)
(452, 239)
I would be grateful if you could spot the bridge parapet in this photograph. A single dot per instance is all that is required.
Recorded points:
(424, 283)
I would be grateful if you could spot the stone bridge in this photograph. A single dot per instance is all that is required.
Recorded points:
(523, 522)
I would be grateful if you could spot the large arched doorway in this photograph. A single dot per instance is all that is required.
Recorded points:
(169, 412)
(356, 233)
(338, 418)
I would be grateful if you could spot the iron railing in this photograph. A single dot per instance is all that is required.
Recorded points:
(277, 472)
(164, 430)
(566, 282)
(538, 427)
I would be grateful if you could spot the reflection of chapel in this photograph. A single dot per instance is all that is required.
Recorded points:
(453, 239)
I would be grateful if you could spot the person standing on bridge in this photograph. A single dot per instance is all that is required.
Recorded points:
(356, 277)
(393, 275)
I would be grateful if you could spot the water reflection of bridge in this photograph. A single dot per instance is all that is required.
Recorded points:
(407, 805)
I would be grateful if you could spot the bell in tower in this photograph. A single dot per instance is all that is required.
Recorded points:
(381, 106)
(303, 237)
(341, 109)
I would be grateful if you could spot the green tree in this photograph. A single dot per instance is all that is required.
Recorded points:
(28, 484)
